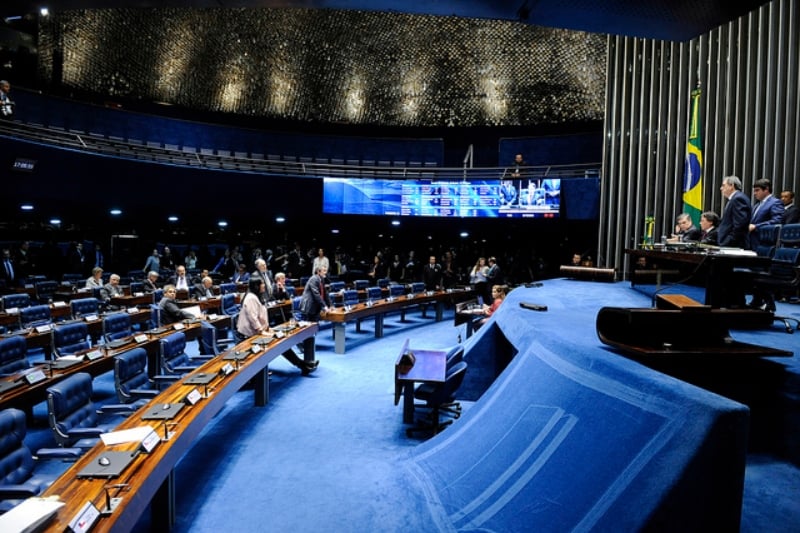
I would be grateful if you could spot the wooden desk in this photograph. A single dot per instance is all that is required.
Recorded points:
(429, 367)
(340, 316)
(129, 301)
(150, 477)
(708, 269)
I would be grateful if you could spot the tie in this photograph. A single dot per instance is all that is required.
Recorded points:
(182, 283)
(9, 270)
(755, 210)
(322, 289)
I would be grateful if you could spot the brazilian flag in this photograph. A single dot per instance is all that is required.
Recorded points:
(693, 168)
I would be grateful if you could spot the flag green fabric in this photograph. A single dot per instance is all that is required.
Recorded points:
(693, 167)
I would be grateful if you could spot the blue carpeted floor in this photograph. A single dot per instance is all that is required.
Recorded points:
(326, 453)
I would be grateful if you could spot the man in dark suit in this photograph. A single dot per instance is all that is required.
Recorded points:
(432, 274)
(315, 298)
(203, 290)
(734, 227)
(8, 271)
(170, 312)
(150, 282)
(791, 213)
(180, 280)
(709, 222)
(111, 290)
(767, 210)
(262, 273)
(685, 230)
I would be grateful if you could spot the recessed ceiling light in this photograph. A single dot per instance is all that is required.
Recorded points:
(116, 212)
(222, 224)
(26, 207)
(173, 218)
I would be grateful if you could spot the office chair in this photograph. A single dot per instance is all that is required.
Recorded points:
(336, 286)
(70, 338)
(136, 287)
(72, 278)
(13, 355)
(45, 291)
(350, 297)
(154, 321)
(34, 316)
(374, 293)
(131, 381)
(783, 276)
(290, 291)
(228, 304)
(16, 301)
(227, 288)
(360, 284)
(383, 283)
(116, 326)
(768, 237)
(72, 415)
(158, 294)
(19, 478)
(209, 341)
(81, 307)
(396, 290)
(174, 359)
(435, 395)
(417, 287)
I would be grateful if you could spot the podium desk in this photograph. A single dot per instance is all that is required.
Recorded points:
(149, 477)
(429, 367)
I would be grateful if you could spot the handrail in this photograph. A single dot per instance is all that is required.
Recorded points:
(115, 147)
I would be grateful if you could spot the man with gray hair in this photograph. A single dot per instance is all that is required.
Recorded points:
(734, 227)
(262, 273)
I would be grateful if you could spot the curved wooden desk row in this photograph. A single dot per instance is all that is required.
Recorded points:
(24, 396)
(341, 315)
(149, 476)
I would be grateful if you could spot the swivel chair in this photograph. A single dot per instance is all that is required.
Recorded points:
(70, 338)
(131, 381)
(72, 415)
(45, 290)
(34, 316)
(19, 473)
(137, 287)
(350, 297)
(158, 294)
(360, 284)
(81, 307)
(116, 326)
(435, 396)
(228, 304)
(783, 276)
(396, 290)
(13, 355)
(374, 293)
(16, 301)
(210, 343)
(174, 359)
(227, 288)
(336, 286)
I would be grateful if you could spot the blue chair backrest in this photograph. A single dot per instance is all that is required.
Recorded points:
(336, 286)
(784, 262)
(296, 303)
(70, 338)
(767, 239)
(396, 289)
(130, 373)
(417, 287)
(227, 288)
(383, 283)
(790, 236)
(290, 290)
(13, 355)
(228, 304)
(45, 290)
(84, 306)
(173, 352)
(18, 301)
(116, 326)
(208, 339)
(360, 284)
(158, 294)
(35, 315)
(16, 460)
(136, 287)
(350, 297)
(155, 316)
(69, 405)
(374, 293)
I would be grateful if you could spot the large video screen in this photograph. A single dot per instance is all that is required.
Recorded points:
(513, 198)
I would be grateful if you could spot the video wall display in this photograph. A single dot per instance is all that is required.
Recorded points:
(506, 198)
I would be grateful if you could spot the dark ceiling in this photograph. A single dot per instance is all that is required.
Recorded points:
(677, 20)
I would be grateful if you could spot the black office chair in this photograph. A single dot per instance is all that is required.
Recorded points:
(131, 381)
(435, 396)
(19, 478)
(783, 276)
(13, 355)
(74, 417)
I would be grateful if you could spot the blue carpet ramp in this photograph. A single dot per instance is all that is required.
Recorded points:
(571, 437)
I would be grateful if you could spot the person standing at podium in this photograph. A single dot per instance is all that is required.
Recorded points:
(734, 226)
(767, 210)
(315, 299)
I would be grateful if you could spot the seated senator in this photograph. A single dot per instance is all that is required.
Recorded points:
(498, 295)
(170, 311)
(203, 290)
(708, 225)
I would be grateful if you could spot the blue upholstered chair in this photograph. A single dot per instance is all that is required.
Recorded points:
(350, 297)
(137, 287)
(35, 315)
(374, 293)
(228, 304)
(74, 417)
(131, 381)
(16, 301)
(291, 291)
(13, 355)
(45, 290)
(336, 286)
(174, 359)
(384, 283)
(227, 288)
(210, 343)
(116, 326)
(70, 338)
(396, 290)
(360, 284)
(19, 478)
(81, 307)
(437, 395)
(417, 287)
(158, 294)
(155, 317)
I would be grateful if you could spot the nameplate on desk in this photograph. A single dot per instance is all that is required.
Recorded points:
(255, 348)
(141, 337)
(133, 310)
(212, 316)
(150, 441)
(226, 370)
(409, 296)
(93, 355)
(84, 519)
(59, 304)
(138, 294)
(178, 325)
(193, 397)
(35, 376)
(12, 311)
(44, 329)
(90, 318)
(279, 334)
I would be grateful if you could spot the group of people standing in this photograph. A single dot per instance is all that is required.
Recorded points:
(740, 221)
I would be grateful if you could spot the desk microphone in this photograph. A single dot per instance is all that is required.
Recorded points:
(111, 503)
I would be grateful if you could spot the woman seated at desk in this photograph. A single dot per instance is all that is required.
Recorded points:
(253, 320)
(498, 295)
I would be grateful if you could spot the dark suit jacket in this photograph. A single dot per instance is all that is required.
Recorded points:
(432, 276)
(691, 234)
(149, 286)
(791, 215)
(4, 274)
(710, 237)
(268, 294)
(314, 299)
(199, 291)
(171, 312)
(734, 227)
(770, 213)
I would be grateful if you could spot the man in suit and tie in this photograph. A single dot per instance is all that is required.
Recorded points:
(180, 280)
(203, 290)
(262, 273)
(767, 210)
(733, 228)
(791, 213)
(8, 272)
